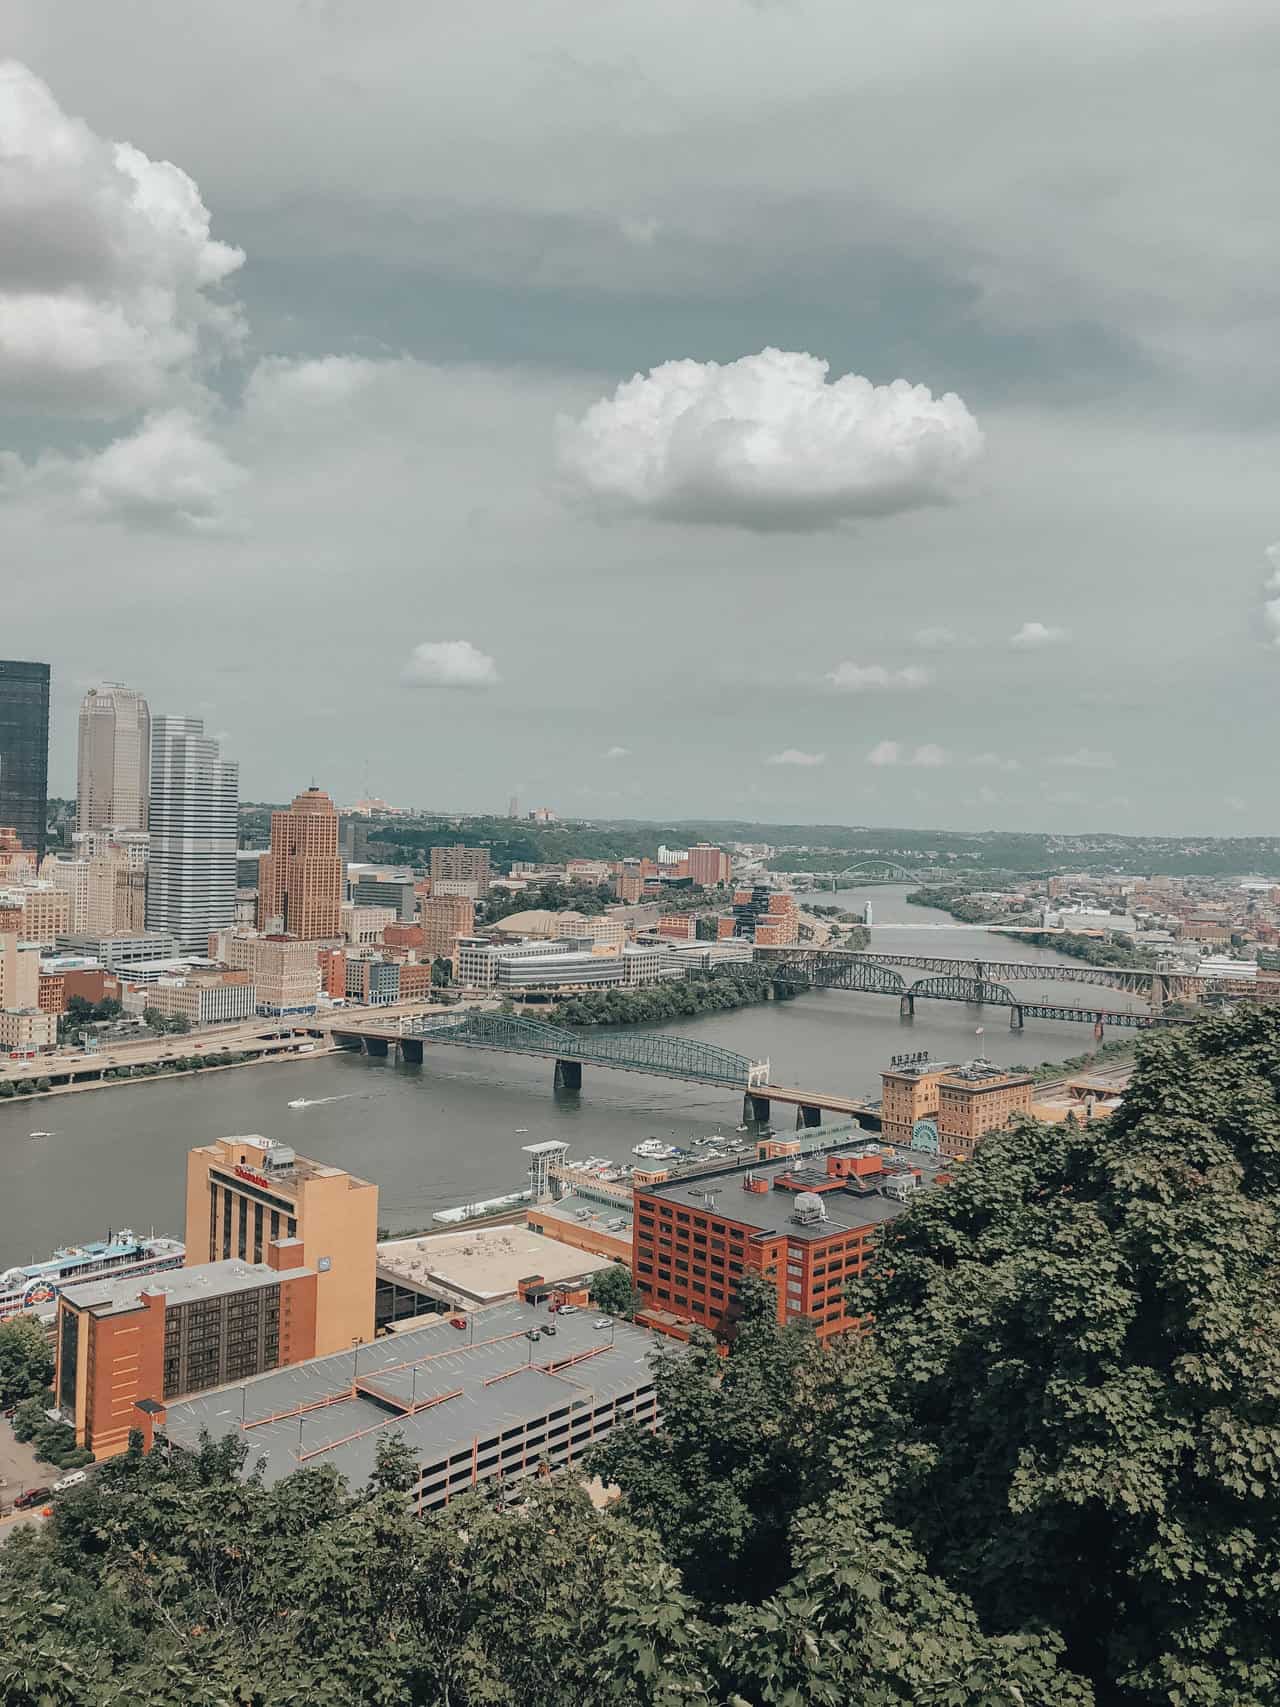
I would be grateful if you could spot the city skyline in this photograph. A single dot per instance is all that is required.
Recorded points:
(547, 386)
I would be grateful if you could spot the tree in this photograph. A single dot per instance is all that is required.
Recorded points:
(441, 970)
(1079, 1349)
(26, 1360)
(612, 1291)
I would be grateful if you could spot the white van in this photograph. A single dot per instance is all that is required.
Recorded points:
(72, 1479)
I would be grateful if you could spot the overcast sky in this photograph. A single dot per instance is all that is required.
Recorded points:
(826, 411)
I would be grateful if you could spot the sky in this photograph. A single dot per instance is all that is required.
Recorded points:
(772, 409)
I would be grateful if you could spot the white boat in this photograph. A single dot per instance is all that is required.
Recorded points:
(299, 1102)
(653, 1150)
(42, 1134)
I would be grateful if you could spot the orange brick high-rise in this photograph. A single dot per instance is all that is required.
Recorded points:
(300, 886)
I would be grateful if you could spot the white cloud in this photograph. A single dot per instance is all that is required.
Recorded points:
(449, 664)
(993, 762)
(1036, 634)
(793, 756)
(766, 443)
(106, 264)
(926, 757)
(1271, 609)
(168, 473)
(864, 678)
(1087, 759)
(938, 639)
(618, 753)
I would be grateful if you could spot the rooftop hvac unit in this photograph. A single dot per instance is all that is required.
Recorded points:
(809, 1209)
(278, 1157)
(901, 1187)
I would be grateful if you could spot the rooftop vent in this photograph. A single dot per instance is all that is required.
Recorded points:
(809, 1209)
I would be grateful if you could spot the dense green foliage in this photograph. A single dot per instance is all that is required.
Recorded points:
(584, 898)
(1049, 1478)
(953, 899)
(52, 1440)
(26, 1360)
(612, 1291)
(735, 985)
(1115, 1049)
(1095, 951)
(155, 1021)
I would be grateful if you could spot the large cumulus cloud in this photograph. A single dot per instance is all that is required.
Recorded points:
(767, 443)
(106, 264)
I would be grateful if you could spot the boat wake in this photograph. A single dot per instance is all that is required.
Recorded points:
(315, 1102)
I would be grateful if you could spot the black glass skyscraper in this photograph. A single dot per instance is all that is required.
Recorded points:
(24, 750)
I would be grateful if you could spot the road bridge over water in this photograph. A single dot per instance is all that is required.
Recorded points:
(878, 974)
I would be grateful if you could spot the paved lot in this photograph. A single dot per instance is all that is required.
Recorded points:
(20, 1468)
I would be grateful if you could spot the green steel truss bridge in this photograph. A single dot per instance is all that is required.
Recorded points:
(630, 1052)
(978, 983)
(851, 969)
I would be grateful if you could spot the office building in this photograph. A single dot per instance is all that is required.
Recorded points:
(191, 877)
(19, 972)
(245, 1194)
(123, 1342)
(708, 864)
(373, 980)
(300, 878)
(779, 925)
(118, 951)
(947, 1107)
(204, 998)
(113, 768)
(24, 752)
(806, 1221)
(460, 865)
(485, 1405)
(362, 926)
(284, 971)
(38, 910)
(386, 889)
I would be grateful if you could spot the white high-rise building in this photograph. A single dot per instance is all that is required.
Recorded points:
(195, 802)
(113, 765)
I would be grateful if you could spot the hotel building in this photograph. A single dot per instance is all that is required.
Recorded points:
(245, 1194)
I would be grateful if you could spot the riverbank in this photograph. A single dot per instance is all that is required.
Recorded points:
(162, 1077)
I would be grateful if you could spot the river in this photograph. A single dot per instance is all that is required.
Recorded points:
(450, 1131)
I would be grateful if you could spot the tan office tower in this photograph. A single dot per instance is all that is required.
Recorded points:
(300, 883)
(114, 767)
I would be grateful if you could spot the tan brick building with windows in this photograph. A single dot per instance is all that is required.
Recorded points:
(244, 1194)
(300, 881)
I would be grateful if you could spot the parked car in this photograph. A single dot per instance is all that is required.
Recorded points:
(603, 1322)
(547, 1328)
(457, 1321)
(533, 1333)
(568, 1309)
(72, 1479)
(33, 1496)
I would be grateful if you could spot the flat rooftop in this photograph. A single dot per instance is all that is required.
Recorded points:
(485, 1379)
(592, 1217)
(484, 1264)
(772, 1211)
(302, 1167)
(111, 1296)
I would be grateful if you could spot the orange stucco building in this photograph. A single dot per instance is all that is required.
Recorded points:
(243, 1194)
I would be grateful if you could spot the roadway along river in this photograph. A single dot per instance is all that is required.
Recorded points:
(450, 1131)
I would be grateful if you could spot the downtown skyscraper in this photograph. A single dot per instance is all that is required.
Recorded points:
(114, 759)
(24, 751)
(300, 880)
(194, 817)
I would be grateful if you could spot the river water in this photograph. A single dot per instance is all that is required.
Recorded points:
(450, 1131)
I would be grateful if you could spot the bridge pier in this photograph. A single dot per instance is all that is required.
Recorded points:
(568, 1076)
(755, 1109)
(375, 1046)
(807, 1115)
(1015, 1018)
(907, 1006)
(1098, 1028)
(411, 1050)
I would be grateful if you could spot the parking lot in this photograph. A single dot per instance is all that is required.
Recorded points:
(20, 1468)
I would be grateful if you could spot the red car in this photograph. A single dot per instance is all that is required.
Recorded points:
(33, 1496)
(457, 1321)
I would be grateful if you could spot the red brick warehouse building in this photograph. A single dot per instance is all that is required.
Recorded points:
(808, 1223)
